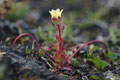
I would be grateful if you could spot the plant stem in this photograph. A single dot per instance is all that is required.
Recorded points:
(60, 43)
(56, 70)
(60, 38)
(86, 45)
(27, 34)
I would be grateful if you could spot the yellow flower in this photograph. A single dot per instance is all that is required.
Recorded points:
(56, 15)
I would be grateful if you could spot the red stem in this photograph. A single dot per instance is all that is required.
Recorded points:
(59, 42)
(56, 70)
(86, 45)
(27, 34)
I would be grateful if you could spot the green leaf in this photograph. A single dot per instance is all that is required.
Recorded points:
(95, 61)
(27, 51)
(41, 34)
(95, 77)
(118, 61)
(104, 64)
(41, 53)
(112, 55)
(51, 31)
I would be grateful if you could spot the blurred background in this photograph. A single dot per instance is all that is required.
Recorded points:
(84, 20)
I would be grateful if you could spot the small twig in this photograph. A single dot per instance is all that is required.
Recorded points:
(33, 45)
(47, 62)
(3, 53)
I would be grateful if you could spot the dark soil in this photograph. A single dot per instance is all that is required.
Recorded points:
(20, 67)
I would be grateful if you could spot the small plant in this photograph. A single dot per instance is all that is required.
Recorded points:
(60, 58)
(98, 62)
(27, 51)
(112, 55)
(66, 34)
